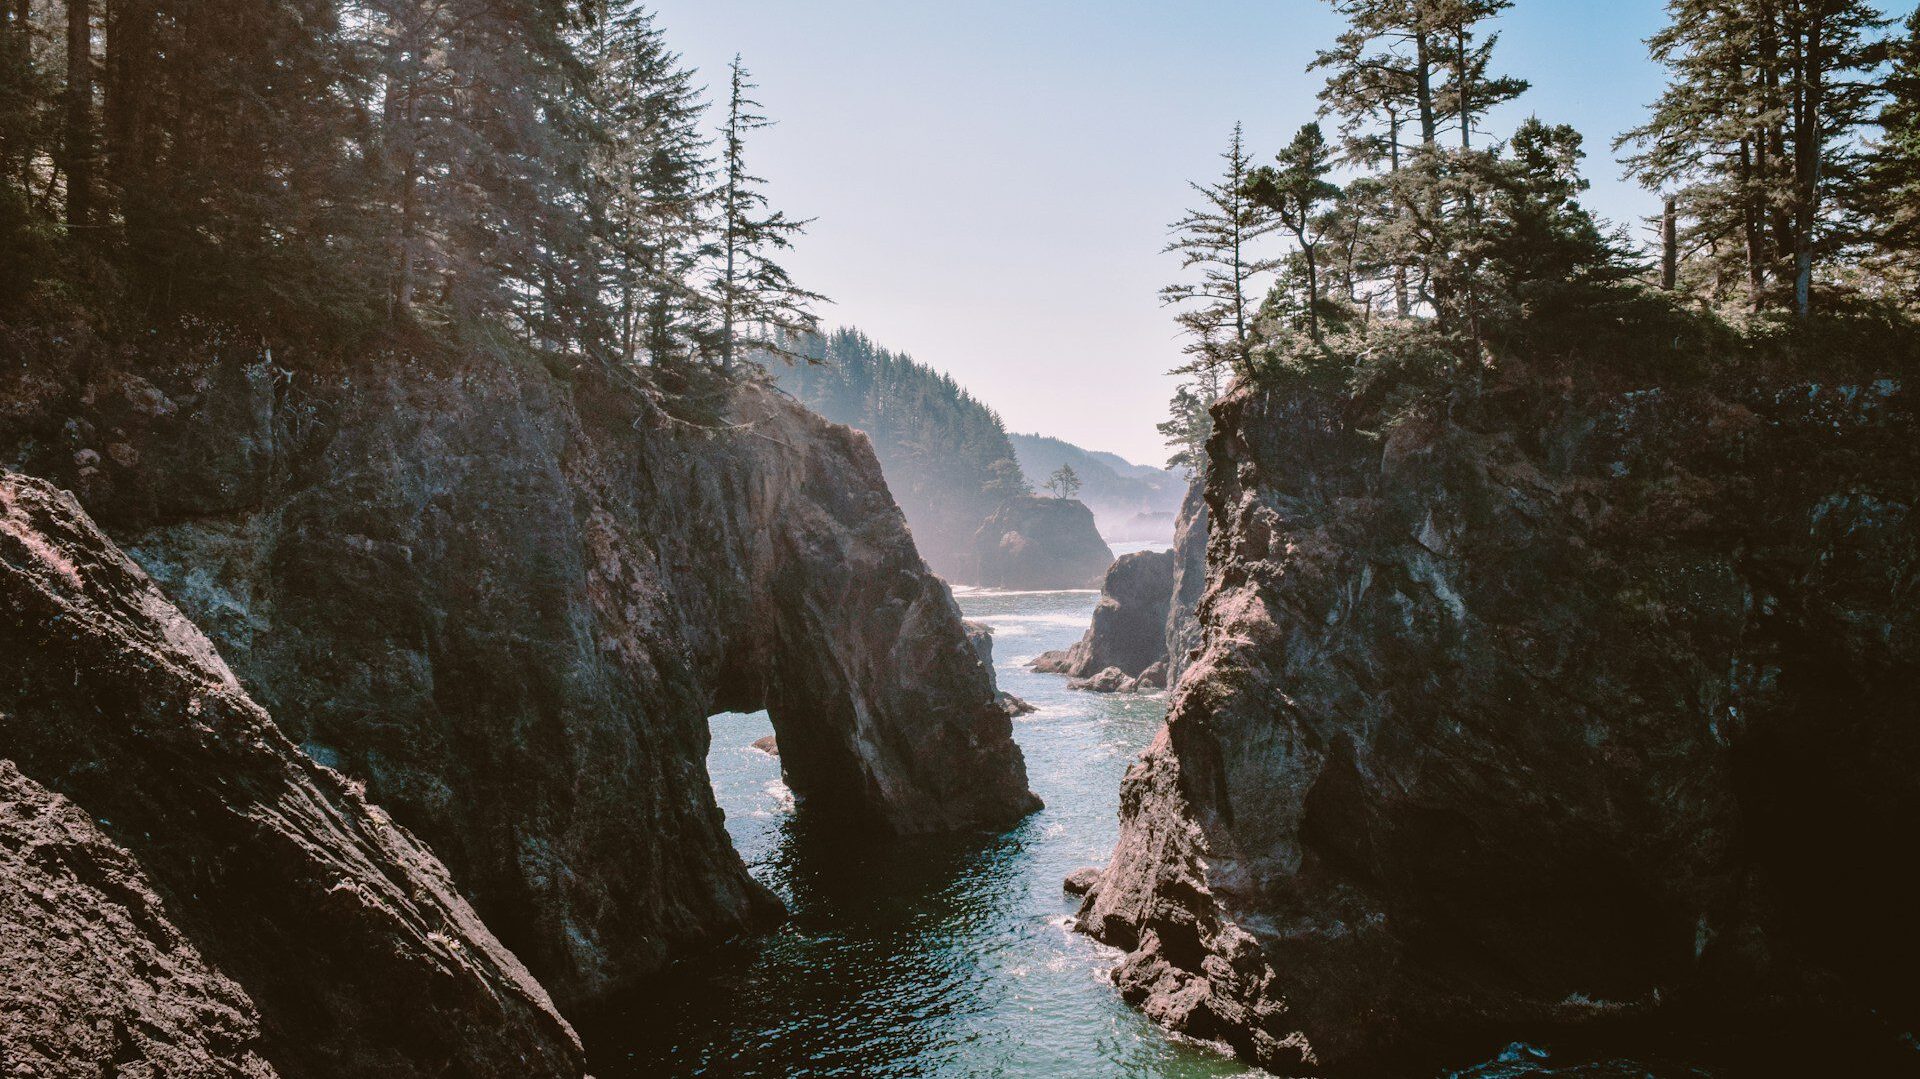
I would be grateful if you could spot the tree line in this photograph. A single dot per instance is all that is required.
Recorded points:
(1396, 228)
(530, 171)
(946, 454)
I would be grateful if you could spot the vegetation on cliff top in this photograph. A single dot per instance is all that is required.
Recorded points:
(528, 175)
(1424, 257)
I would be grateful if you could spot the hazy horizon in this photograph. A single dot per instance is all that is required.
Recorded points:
(898, 127)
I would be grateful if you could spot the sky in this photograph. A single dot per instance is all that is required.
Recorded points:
(992, 180)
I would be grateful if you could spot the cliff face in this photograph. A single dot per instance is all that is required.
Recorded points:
(201, 831)
(508, 603)
(1189, 580)
(1039, 543)
(1128, 631)
(1597, 716)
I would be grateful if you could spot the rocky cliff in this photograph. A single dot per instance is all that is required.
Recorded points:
(216, 900)
(1582, 712)
(1034, 542)
(1189, 580)
(1129, 626)
(507, 600)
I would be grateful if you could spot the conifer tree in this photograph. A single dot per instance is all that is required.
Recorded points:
(1891, 187)
(651, 183)
(756, 298)
(1755, 129)
(1221, 238)
(1298, 193)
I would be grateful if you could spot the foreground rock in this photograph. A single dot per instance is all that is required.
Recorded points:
(93, 976)
(253, 864)
(1129, 628)
(1040, 543)
(1606, 728)
(509, 600)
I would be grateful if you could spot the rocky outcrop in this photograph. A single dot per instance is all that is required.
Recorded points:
(1189, 580)
(1129, 627)
(1594, 713)
(1040, 543)
(508, 600)
(980, 635)
(93, 976)
(341, 928)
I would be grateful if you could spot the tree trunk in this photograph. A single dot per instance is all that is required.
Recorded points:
(1669, 245)
(1423, 69)
(79, 133)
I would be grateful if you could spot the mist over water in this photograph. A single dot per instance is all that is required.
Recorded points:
(923, 957)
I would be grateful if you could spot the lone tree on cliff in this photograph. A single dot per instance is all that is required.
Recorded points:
(1064, 483)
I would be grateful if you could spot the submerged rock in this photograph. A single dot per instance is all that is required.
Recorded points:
(1129, 628)
(335, 923)
(508, 601)
(1595, 716)
(1040, 543)
(767, 745)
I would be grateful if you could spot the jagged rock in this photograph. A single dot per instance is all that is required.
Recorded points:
(1081, 881)
(1129, 628)
(767, 745)
(94, 978)
(509, 601)
(1110, 680)
(980, 635)
(343, 930)
(1595, 716)
(1189, 580)
(1154, 677)
(1040, 543)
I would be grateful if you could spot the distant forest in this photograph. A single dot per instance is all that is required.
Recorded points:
(946, 454)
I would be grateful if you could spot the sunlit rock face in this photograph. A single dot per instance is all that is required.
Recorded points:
(183, 892)
(1129, 628)
(1594, 712)
(508, 599)
(1038, 543)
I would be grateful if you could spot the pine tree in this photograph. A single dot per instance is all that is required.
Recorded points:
(1890, 190)
(1755, 129)
(1221, 238)
(1064, 483)
(1298, 194)
(756, 298)
(651, 181)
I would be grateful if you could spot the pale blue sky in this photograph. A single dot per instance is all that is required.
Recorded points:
(993, 178)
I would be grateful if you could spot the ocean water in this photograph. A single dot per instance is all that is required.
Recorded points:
(942, 957)
(922, 957)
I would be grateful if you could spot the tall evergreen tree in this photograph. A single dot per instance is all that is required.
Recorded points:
(1756, 128)
(651, 184)
(1299, 195)
(1221, 238)
(757, 300)
(1890, 190)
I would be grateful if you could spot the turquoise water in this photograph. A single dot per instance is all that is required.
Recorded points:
(923, 958)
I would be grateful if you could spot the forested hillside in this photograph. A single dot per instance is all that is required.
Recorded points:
(945, 453)
(1117, 490)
